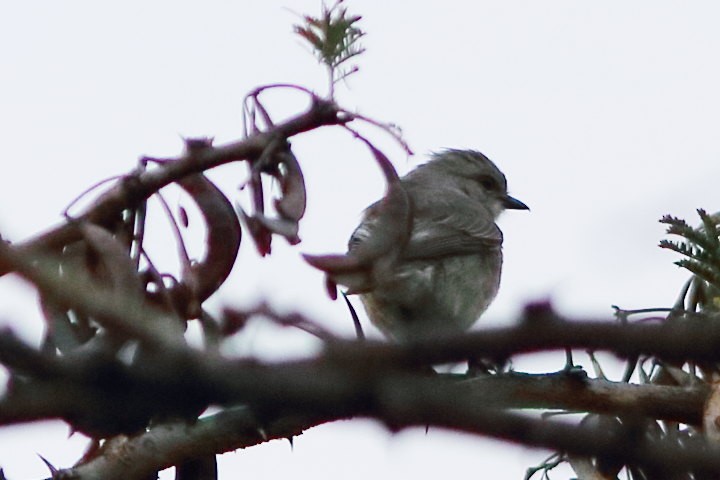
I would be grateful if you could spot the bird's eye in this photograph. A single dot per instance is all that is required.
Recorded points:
(488, 183)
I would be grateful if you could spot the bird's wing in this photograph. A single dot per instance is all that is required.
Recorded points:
(373, 247)
(369, 227)
(452, 226)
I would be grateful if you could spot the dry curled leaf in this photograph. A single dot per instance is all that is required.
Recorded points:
(291, 205)
(277, 161)
(261, 235)
(223, 233)
(372, 258)
(203, 278)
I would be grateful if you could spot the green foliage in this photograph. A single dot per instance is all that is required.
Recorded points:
(334, 39)
(701, 247)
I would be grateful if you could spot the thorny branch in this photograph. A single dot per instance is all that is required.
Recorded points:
(363, 379)
(349, 379)
(371, 380)
(138, 186)
(98, 297)
(101, 292)
(167, 404)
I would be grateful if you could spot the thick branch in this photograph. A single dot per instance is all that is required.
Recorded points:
(172, 443)
(126, 314)
(568, 392)
(683, 339)
(344, 383)
(401, 402)
(628, 444)
(173, 382)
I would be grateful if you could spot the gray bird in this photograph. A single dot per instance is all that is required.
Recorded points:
(426, 259)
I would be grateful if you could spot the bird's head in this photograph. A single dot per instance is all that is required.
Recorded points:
(473, 174)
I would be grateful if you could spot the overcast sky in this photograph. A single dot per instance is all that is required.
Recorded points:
(603, 116)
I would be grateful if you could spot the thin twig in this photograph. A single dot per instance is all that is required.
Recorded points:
(86, 192)
(383, 126)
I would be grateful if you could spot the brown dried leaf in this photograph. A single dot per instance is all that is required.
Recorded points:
(222, 240)
(280, 226)
(260, 234)
(291, 205)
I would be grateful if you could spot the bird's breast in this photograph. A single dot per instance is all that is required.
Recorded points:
(434, 297)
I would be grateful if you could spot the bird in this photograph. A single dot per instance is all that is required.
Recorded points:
(426, 259)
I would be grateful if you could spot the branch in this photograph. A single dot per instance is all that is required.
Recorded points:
(373, 380)
(126, 314)
(625, 444)
(402, 402)
(568, 392)
(172, 443)
(138, 186)
(693, 337)
(339, 383)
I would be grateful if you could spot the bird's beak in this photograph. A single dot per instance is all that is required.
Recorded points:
(512, 203)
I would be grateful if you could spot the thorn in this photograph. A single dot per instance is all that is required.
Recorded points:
(195, 145)
(51, 467)
(291, 439)
(356, 320)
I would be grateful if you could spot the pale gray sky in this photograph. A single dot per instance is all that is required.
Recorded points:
(603, 115)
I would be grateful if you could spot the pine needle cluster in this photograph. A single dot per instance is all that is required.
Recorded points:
(701, 249)
(334, 37)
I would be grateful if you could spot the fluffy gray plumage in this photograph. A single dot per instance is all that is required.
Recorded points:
(447, 272)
